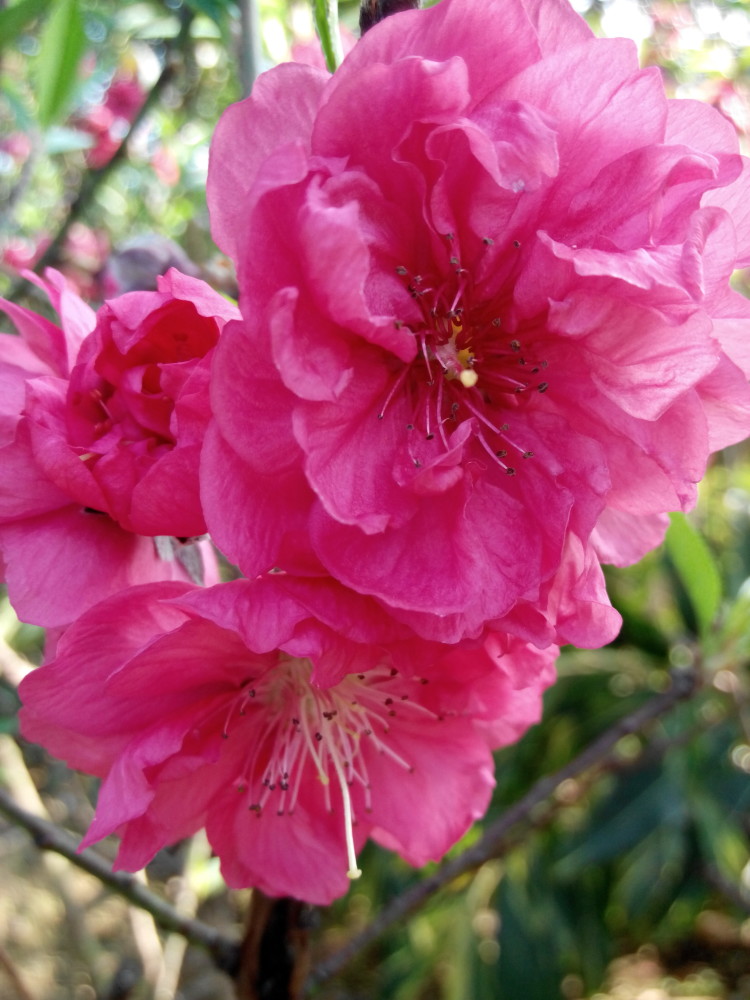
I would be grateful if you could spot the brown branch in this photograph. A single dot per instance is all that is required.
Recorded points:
(275, 953)
(495, 839)
(47, 836)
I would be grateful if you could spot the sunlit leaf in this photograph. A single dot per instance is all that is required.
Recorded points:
(696, 569)
(13, 20)
(62, 45)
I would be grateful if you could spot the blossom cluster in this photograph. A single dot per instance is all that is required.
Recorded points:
(485, 341)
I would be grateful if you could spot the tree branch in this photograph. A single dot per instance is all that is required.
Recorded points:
(223, 950)
(494, 840)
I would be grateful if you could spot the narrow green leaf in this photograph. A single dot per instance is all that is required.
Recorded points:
(326, 14)
(14, 19)
(62, 45)
(696, 569)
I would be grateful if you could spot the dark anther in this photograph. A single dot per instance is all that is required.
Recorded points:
(543, 386)
(487, 241)
(496, 321)
(429, 437)
(501, 454)
(410, 427)
(515, 345)
(510, 472)
(318, 737)
(401, 270)
(528, 454)
(516, 244)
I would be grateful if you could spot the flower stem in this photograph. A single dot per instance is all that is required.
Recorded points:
(326, 13)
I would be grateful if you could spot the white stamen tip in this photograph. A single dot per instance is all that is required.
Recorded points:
(351, 855)
(468, 378)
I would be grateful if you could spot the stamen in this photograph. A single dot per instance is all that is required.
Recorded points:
(354, 872)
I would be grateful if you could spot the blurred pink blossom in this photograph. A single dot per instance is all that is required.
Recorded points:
(109, 121)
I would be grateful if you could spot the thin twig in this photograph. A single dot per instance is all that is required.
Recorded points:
(223, 950)
(493, 841)
(6, 962)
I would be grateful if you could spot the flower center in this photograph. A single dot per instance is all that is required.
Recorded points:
(306, 731)
(466, 366)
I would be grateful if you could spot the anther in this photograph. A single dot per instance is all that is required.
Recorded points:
(528, 454)
(487, 241)
(401, 270)
(543, 386)
(510, 471)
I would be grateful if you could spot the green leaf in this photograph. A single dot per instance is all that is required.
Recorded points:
(696, 569)
(62, 45)
(217, 10)
(326, 15)
(624, 820)
(530, 964)
(13, 20)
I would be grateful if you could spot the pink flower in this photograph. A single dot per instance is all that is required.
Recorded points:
(290, 739)
(484, 275)
(108, 123)
(101, 425)
(137, 405)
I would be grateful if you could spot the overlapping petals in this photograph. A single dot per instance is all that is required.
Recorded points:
(291, 740)
(486, 310)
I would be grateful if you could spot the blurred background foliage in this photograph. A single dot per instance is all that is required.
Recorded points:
(633, 879)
